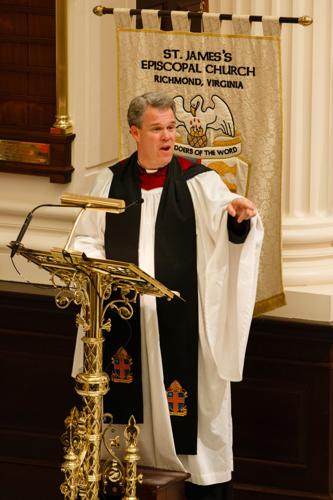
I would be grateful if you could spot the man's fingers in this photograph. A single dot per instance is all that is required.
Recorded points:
(242, 208)
(246, 213)
(231, 210)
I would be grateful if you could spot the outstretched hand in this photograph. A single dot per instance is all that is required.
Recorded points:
(242, 209)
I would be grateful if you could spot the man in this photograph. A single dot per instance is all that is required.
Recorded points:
(194, 236)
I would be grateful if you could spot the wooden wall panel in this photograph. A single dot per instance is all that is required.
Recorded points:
(37, 391)
(282, 411)
(283, 420)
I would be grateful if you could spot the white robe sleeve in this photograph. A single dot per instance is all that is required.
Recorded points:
(227, 277)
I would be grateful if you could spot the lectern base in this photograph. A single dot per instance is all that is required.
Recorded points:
(159, 484)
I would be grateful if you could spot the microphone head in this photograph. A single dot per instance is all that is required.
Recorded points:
(14, 245)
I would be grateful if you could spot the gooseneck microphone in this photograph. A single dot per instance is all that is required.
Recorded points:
(76, 201)
(15, 244)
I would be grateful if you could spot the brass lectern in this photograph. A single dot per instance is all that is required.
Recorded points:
(96, 285)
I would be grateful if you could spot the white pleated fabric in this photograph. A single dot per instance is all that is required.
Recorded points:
(227, 276)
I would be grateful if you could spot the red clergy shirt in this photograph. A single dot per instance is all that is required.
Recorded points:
(157, 178)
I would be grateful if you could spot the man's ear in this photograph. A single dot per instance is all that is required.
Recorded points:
(135, 132)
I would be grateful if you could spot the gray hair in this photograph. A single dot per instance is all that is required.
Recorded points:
(139, 104)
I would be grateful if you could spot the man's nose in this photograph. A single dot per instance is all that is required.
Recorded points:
(166, 133)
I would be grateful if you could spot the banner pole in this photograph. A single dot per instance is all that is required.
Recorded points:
(99, 10)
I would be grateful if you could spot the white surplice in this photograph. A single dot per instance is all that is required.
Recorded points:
(227, 278)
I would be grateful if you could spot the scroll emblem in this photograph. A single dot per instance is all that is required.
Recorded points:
(176, 399)
(122, 367)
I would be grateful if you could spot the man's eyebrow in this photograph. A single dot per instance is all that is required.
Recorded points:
(154, 124)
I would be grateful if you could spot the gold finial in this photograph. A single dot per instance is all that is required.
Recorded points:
(98, 10)
(305, 20)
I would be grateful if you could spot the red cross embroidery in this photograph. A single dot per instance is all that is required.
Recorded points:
(122, 371)
(176, 399)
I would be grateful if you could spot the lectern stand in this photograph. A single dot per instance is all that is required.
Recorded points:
(97, 286)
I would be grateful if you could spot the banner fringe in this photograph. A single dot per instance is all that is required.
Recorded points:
(267, 305)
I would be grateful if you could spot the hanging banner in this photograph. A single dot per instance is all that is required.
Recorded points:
(227, 90)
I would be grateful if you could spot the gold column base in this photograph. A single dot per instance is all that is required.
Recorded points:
(62, 125)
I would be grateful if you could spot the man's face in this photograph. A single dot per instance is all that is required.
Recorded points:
(155, 138)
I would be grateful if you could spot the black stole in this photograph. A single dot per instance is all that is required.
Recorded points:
(175, 267)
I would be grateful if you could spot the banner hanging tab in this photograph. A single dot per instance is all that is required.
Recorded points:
(180, 21)
(241, 24)
(271, 26)
(211, 22)
(123, 19)
(150, 19)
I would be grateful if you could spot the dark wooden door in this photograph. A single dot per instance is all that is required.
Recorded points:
(27, 64)
(28, 92)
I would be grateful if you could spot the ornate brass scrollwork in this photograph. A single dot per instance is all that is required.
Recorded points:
(96, 286)
(75, 443)
(123, 475)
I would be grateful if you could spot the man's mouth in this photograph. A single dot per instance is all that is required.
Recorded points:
(166, 148)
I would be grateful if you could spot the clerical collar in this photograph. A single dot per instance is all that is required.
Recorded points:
(151, 178)
(148, 170)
